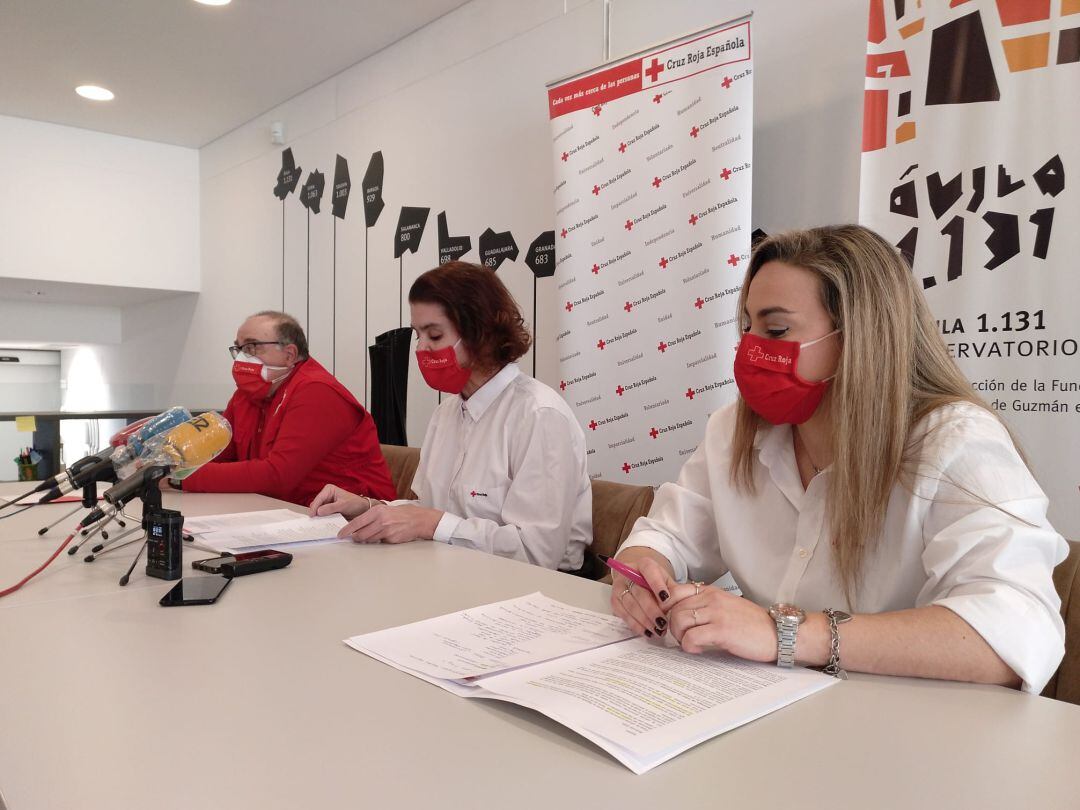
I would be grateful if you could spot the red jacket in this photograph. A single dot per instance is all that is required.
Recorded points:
(309, 433)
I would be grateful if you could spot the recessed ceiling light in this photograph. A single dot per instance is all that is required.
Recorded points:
(214, 2)
(94, 93)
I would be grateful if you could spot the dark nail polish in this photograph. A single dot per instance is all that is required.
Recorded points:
(663, 596)
(661, 623)
(648, 633)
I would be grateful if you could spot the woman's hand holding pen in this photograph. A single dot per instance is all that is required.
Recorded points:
(700, 617)
(635, 604)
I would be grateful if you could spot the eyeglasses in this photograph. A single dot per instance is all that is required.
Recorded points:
(247, 348)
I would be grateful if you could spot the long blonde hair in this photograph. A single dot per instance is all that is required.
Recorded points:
(894, 369)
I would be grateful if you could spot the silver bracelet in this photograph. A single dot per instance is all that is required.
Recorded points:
(833, 667)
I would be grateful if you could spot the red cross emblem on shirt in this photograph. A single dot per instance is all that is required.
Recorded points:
(699, 303)
(694, 132)
(726, 173)
(689, 393)
(733, 260)
(654, 70)
(654, 433)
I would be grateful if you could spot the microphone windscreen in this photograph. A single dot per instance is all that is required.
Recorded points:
(121, 437)
(155, 425)
(195, 442)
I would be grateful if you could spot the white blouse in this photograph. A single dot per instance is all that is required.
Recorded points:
(507, 466)
(938, 544)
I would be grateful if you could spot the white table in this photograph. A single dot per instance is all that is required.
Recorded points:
(109, 701)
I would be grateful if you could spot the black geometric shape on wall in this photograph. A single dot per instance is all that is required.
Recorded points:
(960, 70)
(495, 248)
(373, 188)
(541, 255)
(311, 193)
(342, 187)
(410, 229)
(451, 248)
(289, 175)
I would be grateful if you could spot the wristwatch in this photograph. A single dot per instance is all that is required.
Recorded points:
(787, 618)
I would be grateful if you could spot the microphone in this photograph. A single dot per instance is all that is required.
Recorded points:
(100, 470)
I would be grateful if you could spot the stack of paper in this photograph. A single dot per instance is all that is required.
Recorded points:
(643, 702)
(271, 528)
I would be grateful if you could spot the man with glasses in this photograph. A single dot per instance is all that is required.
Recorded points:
(295, 427)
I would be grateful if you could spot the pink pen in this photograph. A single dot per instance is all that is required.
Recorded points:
(628, 572)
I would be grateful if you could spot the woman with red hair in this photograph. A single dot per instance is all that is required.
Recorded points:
(502, 468)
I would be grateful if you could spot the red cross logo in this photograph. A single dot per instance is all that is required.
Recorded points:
(596, 269)
(755, 353)
(569, 306)
(620, 390)
(654, 69)
(656, 182)
(693, 219)
(654, 433)
(699, 303)
(565, 156)
(629, 225)
(563, 233)
(626, 468)
(689, 393)
(622, 147)
(726, 173)
(600, 344)
(628, 306)
(592, 425)
(473, 493)
(562, 384)
(596, 110)
(694, 132)
(733, 260)
(726, 82)
(663, 263)
(662, 347)
(656, 98)
(596, 190)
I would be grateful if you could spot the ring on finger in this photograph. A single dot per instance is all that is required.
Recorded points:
(629, 587)
(693, 613)
(697, 587)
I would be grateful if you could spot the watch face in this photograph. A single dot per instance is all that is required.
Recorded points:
(784, 611)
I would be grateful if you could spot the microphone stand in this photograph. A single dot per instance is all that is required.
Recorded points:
(111, 544)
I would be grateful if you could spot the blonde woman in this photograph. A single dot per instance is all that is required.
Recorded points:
(875, 514)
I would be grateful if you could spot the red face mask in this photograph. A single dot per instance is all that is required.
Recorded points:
(765, 371)
(254, 378)
(441, 369)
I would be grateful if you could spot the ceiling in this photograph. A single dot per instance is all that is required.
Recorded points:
(185, 73)
(69, 292)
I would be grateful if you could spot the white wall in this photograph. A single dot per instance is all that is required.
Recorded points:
(92, 208)
(459, 112)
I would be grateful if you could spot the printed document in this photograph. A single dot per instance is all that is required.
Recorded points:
(642, 701)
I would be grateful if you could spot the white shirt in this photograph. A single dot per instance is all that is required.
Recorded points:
(507, 466)
(938, 546)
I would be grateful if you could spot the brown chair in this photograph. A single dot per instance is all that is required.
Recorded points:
(615, 506)
(403, 462)
(1065, 685)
